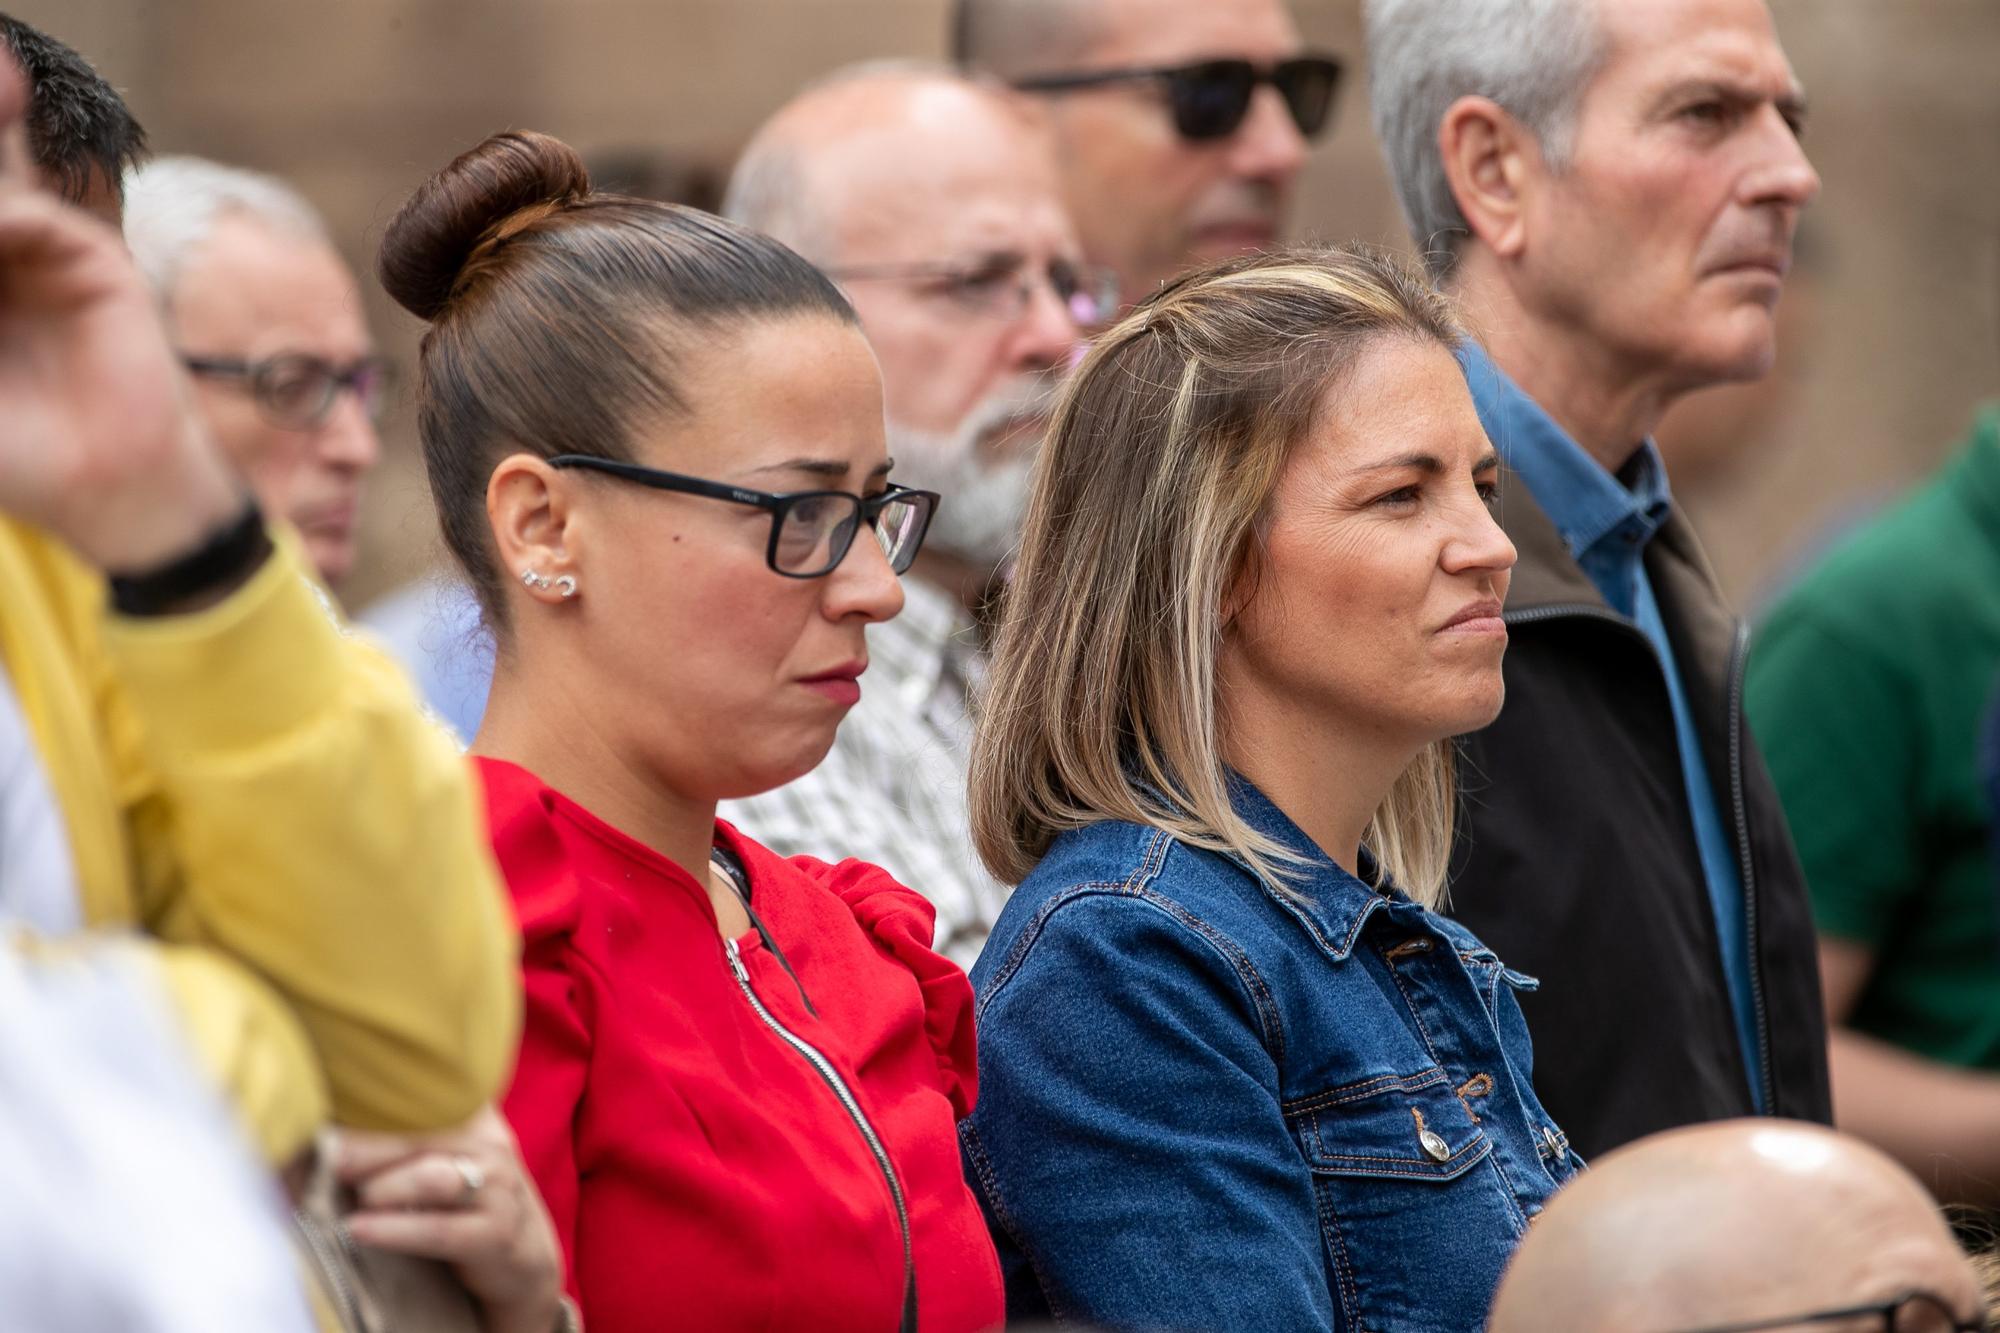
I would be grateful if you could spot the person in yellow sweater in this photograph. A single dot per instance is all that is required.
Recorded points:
(194, 752)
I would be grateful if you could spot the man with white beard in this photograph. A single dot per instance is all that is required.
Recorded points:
(934, 202)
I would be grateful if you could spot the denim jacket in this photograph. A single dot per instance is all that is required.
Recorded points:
(1207, 1105)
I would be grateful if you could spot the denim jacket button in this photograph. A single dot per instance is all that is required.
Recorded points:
(1434, 1144)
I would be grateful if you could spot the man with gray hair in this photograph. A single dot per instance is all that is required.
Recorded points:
(1610, 189)
(267, 318)
(932, 200)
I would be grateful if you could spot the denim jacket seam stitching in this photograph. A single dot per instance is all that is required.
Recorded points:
(1137, 885)
(1508, 1192)
(1363, 1089)
(1423, 1171)
(1343, 1266)
(1237, 959)
(1148, 867)
(1416, 1016)
(1284, 902)
(976, 1150)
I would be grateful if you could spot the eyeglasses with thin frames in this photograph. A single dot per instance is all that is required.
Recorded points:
(811, 531)
(297, 391)
(1211, 98)
(1001, 286)
(1911, 1311)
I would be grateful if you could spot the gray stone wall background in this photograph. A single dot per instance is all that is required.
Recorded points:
(1896, 327)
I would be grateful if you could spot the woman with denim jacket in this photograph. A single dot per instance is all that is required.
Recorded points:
(1236, 1073)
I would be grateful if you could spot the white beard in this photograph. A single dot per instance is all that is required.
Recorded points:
(979, 519)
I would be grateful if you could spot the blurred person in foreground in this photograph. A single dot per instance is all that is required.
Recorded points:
(1180, 125)
(1610, 192)
(932, 201)
(1235, 1071)
(655, 444)
(1737, 1226)
(178, 705)
(183, 707)
(267, 318)
(1871, 687)
(127, 1200)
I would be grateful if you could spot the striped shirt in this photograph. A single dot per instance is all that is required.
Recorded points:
(892, 790)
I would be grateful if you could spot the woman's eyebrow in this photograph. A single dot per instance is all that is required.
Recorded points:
(831, 469)
(1426, 463)
(813, 467)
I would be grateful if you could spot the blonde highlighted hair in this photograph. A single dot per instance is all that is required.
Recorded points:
(1142, 532)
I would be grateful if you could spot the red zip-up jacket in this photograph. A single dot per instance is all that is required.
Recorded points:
(704, 1171)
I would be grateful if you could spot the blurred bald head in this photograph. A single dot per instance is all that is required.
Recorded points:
(1734, 1221)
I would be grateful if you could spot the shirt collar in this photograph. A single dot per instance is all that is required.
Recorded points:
(1332, 904)
(1588, 505)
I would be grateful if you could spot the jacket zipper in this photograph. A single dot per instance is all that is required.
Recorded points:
(1738, 661)
(824, 1068)
(1738, 804)
(336, 1259)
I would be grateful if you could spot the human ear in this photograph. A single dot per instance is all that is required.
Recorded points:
(1489, 160)
(535, 526)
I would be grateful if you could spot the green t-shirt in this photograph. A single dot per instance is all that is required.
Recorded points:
(1868, 690)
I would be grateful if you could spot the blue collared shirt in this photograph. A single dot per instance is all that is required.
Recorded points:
(1606, 523)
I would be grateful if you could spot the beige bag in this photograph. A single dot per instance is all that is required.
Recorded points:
(372, 1291)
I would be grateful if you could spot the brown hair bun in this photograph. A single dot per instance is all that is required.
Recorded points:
(469, 204)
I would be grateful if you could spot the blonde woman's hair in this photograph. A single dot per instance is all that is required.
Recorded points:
(1159, 466)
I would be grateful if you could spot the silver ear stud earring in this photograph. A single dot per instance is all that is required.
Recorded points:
(530, 579)
(565, 586)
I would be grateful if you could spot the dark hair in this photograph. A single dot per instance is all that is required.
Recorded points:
(555, 314)
(78, 125)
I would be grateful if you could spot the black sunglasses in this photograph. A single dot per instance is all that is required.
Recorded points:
(811, 531)
(1210, 98)
(1909, 1312)
(296, 390)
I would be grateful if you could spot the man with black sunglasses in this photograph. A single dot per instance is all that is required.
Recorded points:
(269, 324)
(1180, 125)
(1741, 1227)
(933, 201)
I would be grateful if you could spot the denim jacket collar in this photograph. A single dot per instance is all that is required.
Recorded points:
(1330, 903)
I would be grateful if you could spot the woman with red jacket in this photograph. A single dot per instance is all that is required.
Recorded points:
(655, 442)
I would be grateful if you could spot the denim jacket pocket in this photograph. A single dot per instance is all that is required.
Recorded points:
(1398, 1185)
(1414, 1128)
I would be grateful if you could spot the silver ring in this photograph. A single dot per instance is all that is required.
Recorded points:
(472, 1176)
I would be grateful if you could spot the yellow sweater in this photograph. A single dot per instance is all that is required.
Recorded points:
(255, 792)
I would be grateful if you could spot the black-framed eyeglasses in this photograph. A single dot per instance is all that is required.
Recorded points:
(297, 390)
(1001, 285)
(1910, 1312)
(1210, 98)
(811, 531)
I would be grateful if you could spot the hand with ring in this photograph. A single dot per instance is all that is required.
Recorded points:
(464, 1198)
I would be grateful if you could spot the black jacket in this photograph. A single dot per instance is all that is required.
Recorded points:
(1576, 859)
